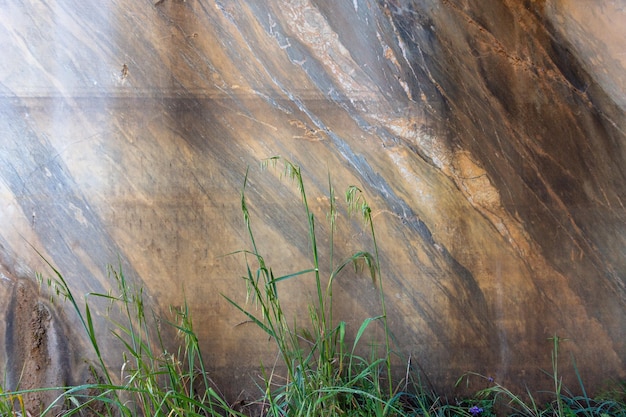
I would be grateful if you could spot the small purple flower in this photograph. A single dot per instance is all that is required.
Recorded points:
(475, 410)
(490, 379)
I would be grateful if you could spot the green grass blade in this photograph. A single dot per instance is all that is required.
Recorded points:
(252, 317)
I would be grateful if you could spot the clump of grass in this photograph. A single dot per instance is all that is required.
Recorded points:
(153, 380)
(563, 404)
(12, 404)
(324, 374)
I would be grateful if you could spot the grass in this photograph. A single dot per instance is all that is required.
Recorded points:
(153, 381)
(564, 402)
(325, 373)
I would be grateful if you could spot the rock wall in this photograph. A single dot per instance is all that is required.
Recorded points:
(489, 138)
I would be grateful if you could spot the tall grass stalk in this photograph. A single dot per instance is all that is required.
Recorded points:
(356, 203)
(324, 376)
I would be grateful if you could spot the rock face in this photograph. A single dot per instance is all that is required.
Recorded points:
(489, 138)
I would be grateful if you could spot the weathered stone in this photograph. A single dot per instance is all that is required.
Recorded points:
(489, 138)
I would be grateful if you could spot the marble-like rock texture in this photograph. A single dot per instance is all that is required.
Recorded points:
(488, 136)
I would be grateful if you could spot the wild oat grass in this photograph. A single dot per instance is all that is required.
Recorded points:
(324, 374)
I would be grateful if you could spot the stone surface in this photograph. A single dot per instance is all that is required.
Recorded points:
(489, 138)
